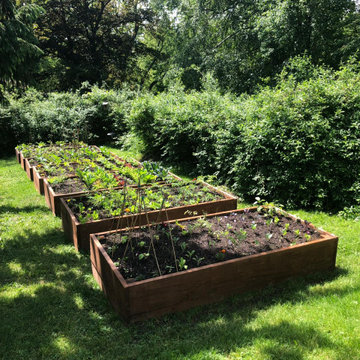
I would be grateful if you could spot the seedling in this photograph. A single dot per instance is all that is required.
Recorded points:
(182, 264)
(169, 268)
(183, 246)
(143, 256)
(241, 235)
(198, 260)
(190, 254)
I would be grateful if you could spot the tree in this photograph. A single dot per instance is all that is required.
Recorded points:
(95, 40)
(19, 53)
(247, 42)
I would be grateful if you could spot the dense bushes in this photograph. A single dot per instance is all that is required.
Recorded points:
(88, 114)
(181, 127)
(297, 143)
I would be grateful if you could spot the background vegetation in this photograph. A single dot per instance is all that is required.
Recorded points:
(297, 142)
(58, 44)
(261, 94)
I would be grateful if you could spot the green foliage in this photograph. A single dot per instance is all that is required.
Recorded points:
(182, 127)
(18, 51)
(298, 143)
(351, 213)
(63, 116)
(246, 43)
(93, 40)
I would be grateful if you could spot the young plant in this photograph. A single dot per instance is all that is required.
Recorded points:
(220, 255)
(241, 235)
(182, 264)
(198, 260)
(190, 254)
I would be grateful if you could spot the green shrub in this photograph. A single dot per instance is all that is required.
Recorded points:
(299, 143)
(89, 116)
(181, 127)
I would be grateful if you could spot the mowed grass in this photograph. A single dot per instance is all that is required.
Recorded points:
(51, 308)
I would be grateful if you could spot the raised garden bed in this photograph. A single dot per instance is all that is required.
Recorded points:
(17, 154)
(259, 260)
(38, 181)
(29, 168)
(74, 185)
(79, 225)
(52, 198)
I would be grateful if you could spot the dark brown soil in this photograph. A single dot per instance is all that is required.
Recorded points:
(69, 185)
(203, 242)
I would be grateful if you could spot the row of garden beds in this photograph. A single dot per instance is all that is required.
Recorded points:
(159, 244)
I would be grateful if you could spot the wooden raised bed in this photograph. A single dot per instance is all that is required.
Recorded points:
(144, 299)
(22, 161)
(29, 169)
(52, 199)
(38, 181)
(79, 233)
(18, 157)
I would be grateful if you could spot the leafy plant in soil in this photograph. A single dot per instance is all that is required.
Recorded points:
(132, 200)
(96, 168)
(165, 248)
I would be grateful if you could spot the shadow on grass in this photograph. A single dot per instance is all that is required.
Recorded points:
(11, 159)
(51, 308)
(27, 209)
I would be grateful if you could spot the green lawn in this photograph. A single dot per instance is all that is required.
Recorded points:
(51, 308)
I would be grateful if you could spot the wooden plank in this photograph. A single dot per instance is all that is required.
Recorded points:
(29, 170)
(113, 286)
(38, 181)
(217, 281)
(17, 154)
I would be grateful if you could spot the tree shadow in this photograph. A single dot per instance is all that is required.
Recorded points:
(8, 160)
(27, 209)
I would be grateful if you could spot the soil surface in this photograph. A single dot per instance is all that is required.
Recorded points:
(202, 242)
(69, 185)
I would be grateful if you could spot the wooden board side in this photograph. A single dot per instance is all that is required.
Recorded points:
(38, 181)
(108, 279)
(212, 283)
